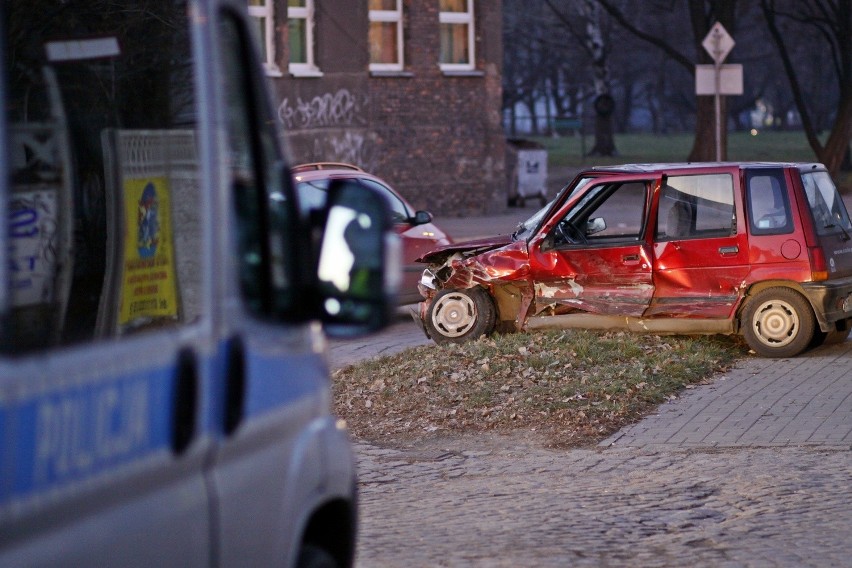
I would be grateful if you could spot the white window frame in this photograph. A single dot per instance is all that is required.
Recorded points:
(309, 68)
(461, 18)
(390, 16)
(266, 14)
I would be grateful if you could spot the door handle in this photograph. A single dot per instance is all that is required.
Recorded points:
(631, 258)
(185, 401)
(235, 384)
(725, 251)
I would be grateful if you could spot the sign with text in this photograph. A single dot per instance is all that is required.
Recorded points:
(730, 79)
(148, 286)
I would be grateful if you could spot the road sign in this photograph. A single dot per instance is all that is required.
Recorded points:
(730, 79)
(718, 43)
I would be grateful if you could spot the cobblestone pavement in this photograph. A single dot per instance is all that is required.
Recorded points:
(506, 502)
(753, 469)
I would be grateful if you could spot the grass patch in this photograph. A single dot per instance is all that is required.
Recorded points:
(767, 146)
(771, 146)
(575, 387)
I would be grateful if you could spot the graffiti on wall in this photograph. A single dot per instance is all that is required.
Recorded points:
(351, 146)
(330, 109)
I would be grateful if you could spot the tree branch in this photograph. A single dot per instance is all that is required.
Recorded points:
(677, 56)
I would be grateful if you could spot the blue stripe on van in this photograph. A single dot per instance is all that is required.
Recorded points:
(54, 439)
(276, 381)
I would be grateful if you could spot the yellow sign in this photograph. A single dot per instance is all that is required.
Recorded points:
(148, 285)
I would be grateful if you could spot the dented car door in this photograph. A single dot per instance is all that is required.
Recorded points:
(700, 246)
(593, 256)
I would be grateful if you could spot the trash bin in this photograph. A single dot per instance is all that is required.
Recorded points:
(526, 166)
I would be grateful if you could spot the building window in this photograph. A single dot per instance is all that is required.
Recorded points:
(457, 37)
(300, 28)
(264, 17)
(386, 35)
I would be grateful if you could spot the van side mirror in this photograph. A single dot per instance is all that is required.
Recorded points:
(359, 263)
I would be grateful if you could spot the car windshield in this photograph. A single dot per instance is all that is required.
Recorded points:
(526, 228)
(312, 194)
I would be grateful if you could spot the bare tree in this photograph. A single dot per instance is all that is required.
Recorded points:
(593, 40)
(702, 14)
(832, 19)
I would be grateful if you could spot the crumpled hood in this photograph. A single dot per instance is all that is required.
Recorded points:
(472, 247)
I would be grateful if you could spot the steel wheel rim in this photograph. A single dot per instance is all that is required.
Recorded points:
(454, 315)
(775, 323)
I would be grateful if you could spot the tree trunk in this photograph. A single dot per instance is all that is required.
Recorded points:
(704, 145)
(836, 148)
(604, 111)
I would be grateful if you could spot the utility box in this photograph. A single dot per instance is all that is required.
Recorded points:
(526, 165)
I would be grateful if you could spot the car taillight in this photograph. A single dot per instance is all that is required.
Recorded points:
(819, 270)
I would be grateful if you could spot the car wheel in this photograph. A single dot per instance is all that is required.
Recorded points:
(778, 322)
(456, 316)
(311, 556)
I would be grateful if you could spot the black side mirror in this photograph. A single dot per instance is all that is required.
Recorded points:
(421, 218)
(359, 261)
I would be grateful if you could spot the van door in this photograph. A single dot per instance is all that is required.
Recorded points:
(270, 467)
(105, 335)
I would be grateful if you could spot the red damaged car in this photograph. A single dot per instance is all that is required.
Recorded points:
(761, 249)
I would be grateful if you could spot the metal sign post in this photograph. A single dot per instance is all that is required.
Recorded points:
(718, 44)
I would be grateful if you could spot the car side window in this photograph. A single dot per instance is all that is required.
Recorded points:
(696, 207)
(768, 206)
(607, 214)
(399, 211)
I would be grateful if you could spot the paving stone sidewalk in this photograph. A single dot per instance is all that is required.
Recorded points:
(804, 401)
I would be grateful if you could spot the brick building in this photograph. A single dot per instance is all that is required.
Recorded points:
(407, 89)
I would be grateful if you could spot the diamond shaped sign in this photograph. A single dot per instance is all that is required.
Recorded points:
(718, 43)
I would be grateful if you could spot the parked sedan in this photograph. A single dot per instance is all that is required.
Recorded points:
(760, 249)
(415, 228)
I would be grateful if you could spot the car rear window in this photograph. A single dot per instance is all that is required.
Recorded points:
(768, 204)
(829, 211)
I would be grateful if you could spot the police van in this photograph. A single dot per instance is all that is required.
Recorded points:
(164, 390)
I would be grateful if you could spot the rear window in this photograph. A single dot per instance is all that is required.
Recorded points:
(827, 208)
(768, 205)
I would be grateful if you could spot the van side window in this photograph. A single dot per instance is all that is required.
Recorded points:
(695, 207)
(768, 206)
(104, 210)
(261, 191)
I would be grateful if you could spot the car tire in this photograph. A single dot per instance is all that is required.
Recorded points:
(311, 556)
(456, 316)
(778, 322)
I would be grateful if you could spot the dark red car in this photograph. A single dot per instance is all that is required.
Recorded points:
(415, 228)
(761, 249)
